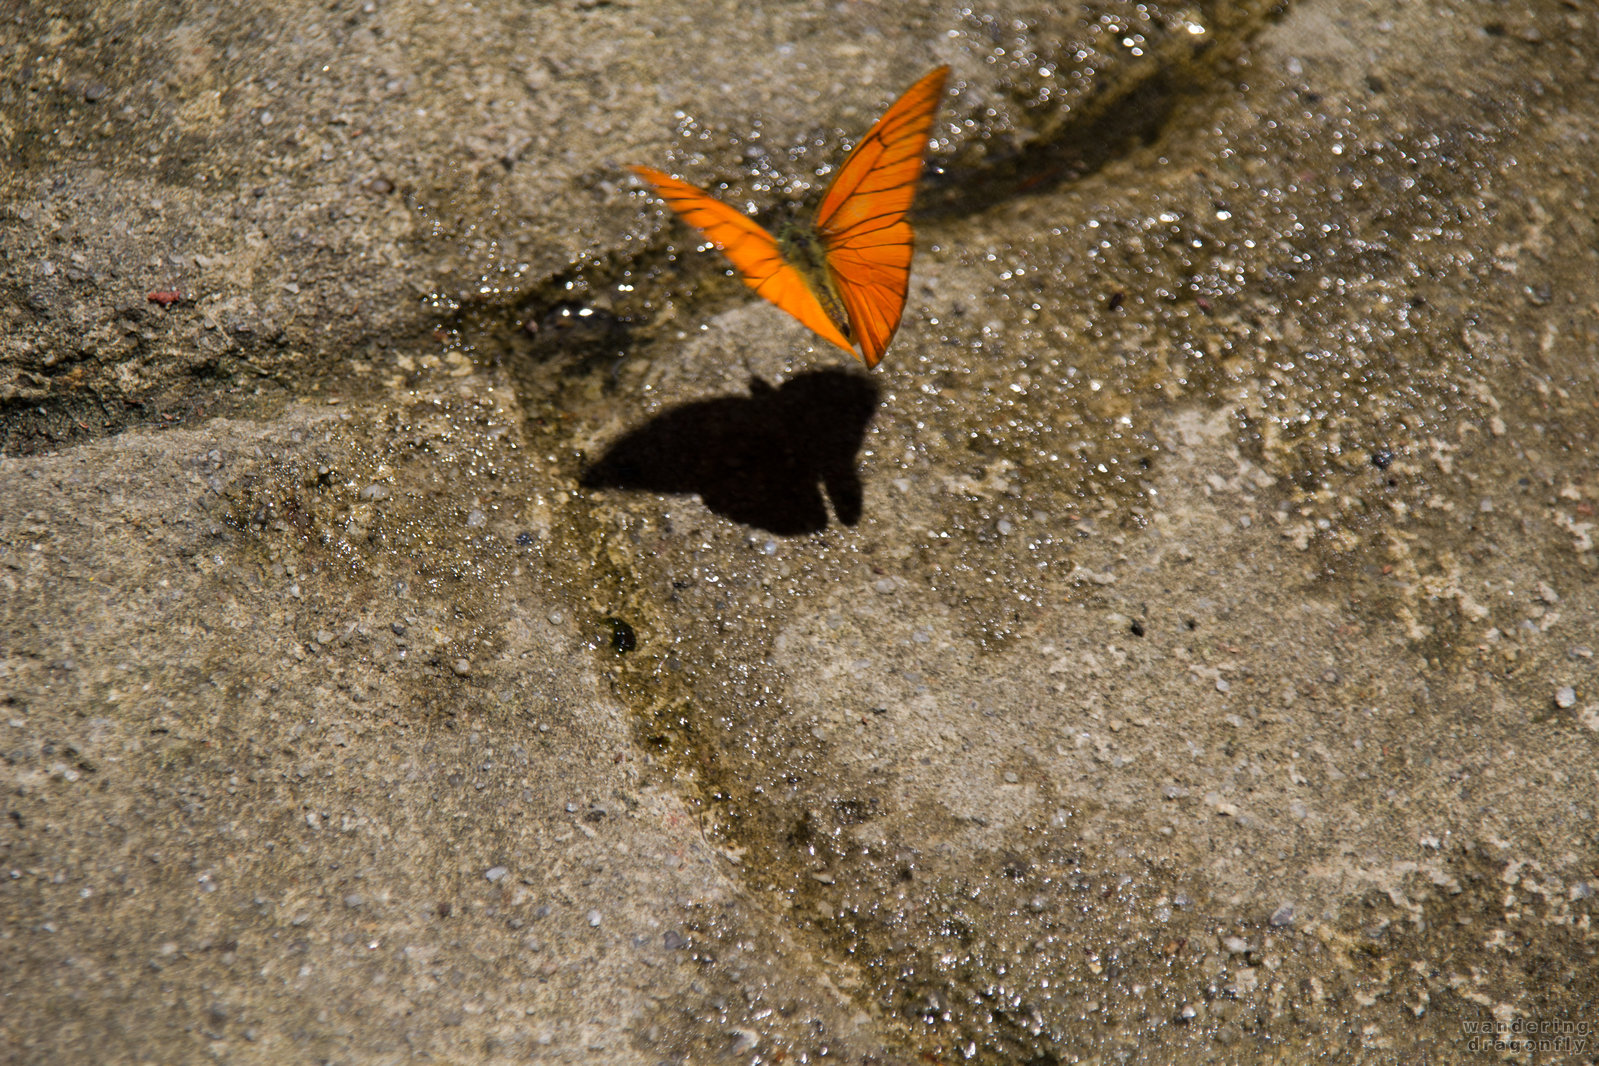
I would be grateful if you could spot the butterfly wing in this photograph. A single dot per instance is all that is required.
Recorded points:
(751, 250)
(861, 220)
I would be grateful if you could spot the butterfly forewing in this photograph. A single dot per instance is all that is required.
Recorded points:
(861, 220)
(751, 250)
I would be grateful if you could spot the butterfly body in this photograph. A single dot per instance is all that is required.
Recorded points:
(845, 273)
(803, 249)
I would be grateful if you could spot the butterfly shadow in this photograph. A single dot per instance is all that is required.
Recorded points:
(763, 460)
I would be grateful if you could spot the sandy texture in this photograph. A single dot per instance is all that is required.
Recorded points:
(461, 623)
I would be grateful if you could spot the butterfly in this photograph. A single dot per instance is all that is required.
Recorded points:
(844, 274)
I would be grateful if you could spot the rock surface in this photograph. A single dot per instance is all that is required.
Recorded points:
(441, 615)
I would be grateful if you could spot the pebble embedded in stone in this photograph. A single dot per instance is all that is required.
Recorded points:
(462, 667)
(1282, 916)
(495, 873)
(1565, 697)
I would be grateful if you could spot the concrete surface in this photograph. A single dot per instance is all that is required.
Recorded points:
(463, 625)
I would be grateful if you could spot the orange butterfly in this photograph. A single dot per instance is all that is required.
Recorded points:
(846, 273)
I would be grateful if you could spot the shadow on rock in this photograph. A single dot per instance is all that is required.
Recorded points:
(762, 460)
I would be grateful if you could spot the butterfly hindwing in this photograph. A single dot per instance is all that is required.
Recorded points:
(751, 250)
(871, 280)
